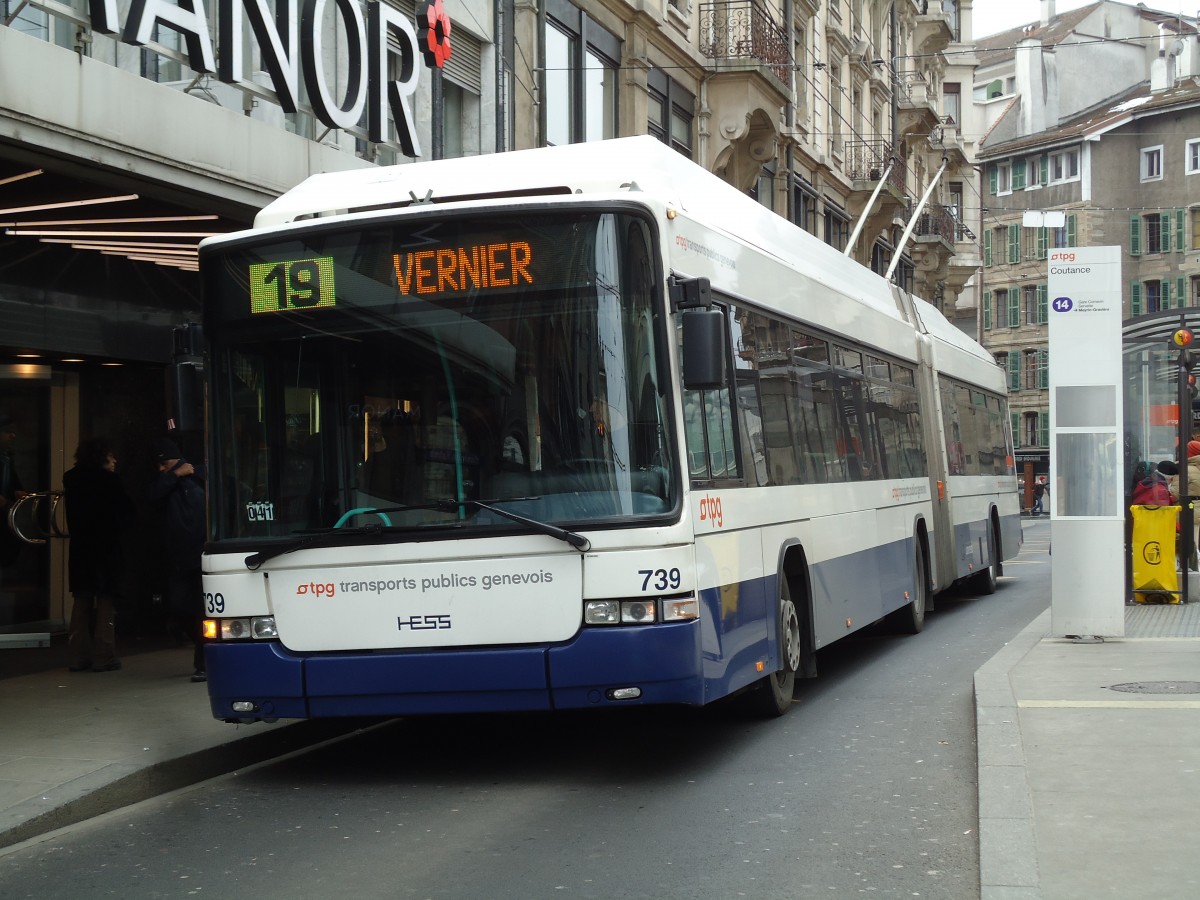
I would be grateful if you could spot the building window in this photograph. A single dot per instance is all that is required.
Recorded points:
(670, 112)
(1158, 233)
(952, 101)
(805, 205)
(1195, 216)
(1029, 298)
(1003, 178)
(881, 257)
(1031, 358)
(1000, 303)
(837, 227)
(582, 61)
(836, 124)
(764, 190)
(1192, 155)
(1152, 293)
(1152, 163)
(1064, 166)
(1031, 432)
(1196, 290)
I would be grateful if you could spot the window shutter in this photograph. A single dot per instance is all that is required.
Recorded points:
(987, 310)
(1043, 302)
(987, 247)
(1043, 419)
(1164, 228)
(1014, 308)
(1044, 169)
(1043, 368)
(1014, 243)
(1072, 230)
(1135, 236)
(993, 178)
(1014, 371)
(1135, 298)
(1180, 292)
(1018, 174)
(1166, 294)
(1180, 231)
(1043, 240)
(1015, 424)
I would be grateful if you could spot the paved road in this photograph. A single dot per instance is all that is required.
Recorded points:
(866, 787)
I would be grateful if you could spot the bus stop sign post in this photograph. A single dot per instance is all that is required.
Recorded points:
(1182, 339)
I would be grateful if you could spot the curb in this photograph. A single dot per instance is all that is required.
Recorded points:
(1008, 867)
(119, 785)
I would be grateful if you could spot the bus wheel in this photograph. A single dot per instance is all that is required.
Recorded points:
(772, 696)
(985, 582)
(910, 619)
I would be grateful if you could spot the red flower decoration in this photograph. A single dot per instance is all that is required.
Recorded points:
(433, 33)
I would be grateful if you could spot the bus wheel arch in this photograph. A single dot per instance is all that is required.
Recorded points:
(984, 581)
(771, 696)
(910, 618)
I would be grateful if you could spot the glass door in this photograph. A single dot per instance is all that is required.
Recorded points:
(25, 405)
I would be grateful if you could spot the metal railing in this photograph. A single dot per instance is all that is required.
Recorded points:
(744, 29)
(938, 221)
(868, 160)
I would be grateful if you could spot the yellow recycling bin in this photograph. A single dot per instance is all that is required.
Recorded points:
(1154, 577)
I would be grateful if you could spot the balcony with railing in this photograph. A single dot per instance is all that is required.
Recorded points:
(743, 30)
(866, 161)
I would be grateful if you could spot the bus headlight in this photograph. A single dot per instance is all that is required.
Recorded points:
(258, 628)
(620, 612)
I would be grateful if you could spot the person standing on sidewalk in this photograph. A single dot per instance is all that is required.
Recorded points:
(98, 510)
(179, 490)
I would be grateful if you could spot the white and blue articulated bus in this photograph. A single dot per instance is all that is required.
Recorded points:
(574, 427)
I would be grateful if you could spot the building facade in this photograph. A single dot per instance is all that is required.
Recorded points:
(128, 131)
(1090, 141)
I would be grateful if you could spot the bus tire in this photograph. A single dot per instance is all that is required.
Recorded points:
(772, 696)
(984, 582)
(910, 618)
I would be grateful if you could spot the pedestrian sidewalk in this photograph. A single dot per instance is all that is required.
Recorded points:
(1089, 762)
(75, 745)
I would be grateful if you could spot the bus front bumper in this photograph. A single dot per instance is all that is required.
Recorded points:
(617, 666)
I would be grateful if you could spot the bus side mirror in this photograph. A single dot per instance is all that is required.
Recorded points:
(185, 380)
(703, 349)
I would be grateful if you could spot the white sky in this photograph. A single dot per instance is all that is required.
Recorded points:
(992, 16)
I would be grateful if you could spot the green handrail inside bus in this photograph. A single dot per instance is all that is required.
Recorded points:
(362, 511)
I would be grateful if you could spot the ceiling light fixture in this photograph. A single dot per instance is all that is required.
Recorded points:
(23, 175)
(67, 205)
(108, 221)
(17, 232)
(191, 248)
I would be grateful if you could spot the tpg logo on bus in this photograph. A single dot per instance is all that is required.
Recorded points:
(710, 511)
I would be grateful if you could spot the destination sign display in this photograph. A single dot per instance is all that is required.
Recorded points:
(454, 269)
(449, 265)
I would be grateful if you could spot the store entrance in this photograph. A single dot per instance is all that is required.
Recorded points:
(50, 409)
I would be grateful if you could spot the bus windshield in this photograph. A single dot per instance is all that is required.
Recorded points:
(412, 373)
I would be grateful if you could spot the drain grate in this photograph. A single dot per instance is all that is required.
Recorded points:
(1158, 687)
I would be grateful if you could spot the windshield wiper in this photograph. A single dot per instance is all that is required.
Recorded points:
(578, 541)
(254, 560)
(311, 539)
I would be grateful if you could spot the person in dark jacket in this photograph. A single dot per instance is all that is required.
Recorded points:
(98, 510)
(179, 490)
